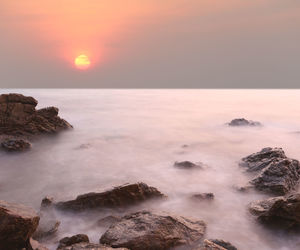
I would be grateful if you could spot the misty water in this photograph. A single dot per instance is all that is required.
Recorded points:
(126, 136)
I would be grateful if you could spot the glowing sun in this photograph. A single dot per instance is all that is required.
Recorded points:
(82, 62)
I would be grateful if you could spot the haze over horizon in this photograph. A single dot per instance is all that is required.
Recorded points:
(150, 44)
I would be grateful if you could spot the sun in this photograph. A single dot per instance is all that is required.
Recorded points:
(82, 62)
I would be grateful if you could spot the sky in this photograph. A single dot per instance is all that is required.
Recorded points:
(150, 43)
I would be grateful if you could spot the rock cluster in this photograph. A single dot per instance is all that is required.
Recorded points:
(243, 122)
(15, 144)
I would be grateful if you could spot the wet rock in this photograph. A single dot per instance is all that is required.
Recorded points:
(18, 117)
(278, 212)
(146, 230)
(126, 195)
(69, 241)
(209, 245)
(15, 145)
(108, 220)
(17, 224)
(224, 244)
(47, 202)
(243, 122)
(187, 165)
(47, 228)
(203, 196)
(35, 245)
(278, 174)
(90, 246)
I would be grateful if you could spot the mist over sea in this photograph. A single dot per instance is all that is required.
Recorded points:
(126, 136)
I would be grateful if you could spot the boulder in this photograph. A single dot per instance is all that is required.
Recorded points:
(69, 241)
(17, 224)
(146, 231)
(15, 145)
(121, 196)
(18, 117)
(187, 165)
(89, 246)
(202, 196)
(108, 220)
(276, 174)
(278, 212)
(243, 122)
(225, 244)
(47, 202)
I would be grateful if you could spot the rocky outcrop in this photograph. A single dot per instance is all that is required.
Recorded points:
(277, 174)
(18, 117)
(121, 196)
(69, 241)
(89, 246)
(187, 165)
(278, 212)
(202, 196)
(17, 224)
(15, 145)
(243, 122)
(146, 231)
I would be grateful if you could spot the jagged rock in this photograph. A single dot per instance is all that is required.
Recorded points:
(17, 224)
(203, 196)
(187, 165)
(215, 245)
(278, 174)
(278, 212)
(225, 244)
(90, 246)
(126, 195)
(69, 241)
(18, 117)
(108, 220)
(243, 122)
(15, 145)
(146, 231)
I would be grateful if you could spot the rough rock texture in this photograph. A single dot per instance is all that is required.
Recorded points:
(209, 245)
(243, 122)
(279, 212)
(69, 241)
(224, 244)
(153, 231)
(18, 117)
(278, 174)
(108, 220)
(17, 224)
(121, 196)
(187, 165)
(15, 145)
(90, 246)
(203, 196)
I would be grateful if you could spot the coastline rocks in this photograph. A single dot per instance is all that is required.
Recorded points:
(69, 241)
(18, 117)
(243, 122)
(17, 224)
(146, 231)
(89, 246)
(215, 245)
(278, 212)
(15, 145)
(203, 196)
(187, 165)
(278, 175)
(121, 196)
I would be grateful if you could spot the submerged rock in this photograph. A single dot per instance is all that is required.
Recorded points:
(17, 224)
(15, 145)
(243, 122)
(203, 196)
(146, 231)
(187, 165)
(121, 196)
(18, 117)
(278, 212)
(69, 241)
(278, 174)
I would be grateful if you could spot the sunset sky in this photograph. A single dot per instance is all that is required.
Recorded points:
(149, 43)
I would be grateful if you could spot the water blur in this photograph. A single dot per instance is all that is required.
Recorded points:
(123, 136)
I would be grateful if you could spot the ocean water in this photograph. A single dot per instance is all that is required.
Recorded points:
(125, 136)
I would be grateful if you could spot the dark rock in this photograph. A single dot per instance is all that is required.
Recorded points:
(108, 220)
(18, 117)
(17, 224)
(278, 212)
(203, 196)
(121, 196)
(47, 202)
(187, 165)
(209, 245)
(69, 241)
(227, 245)
(90, 246)
(146, 231)
(278, 174)
(15, 145)
(243, 122)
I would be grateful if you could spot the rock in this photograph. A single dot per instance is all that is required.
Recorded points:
(209, 245)
(225, 244)
(278, 212)
(17, 224)
(243, 122)
(91, 246)
(18, 117)
(122, 196)
(108, 220)
(187, 165)
(278, 174)
(15, 145)
(47, 228)
(146, 230)
(47, 202)
(203, 196)
(69, 241)
(35, 245)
